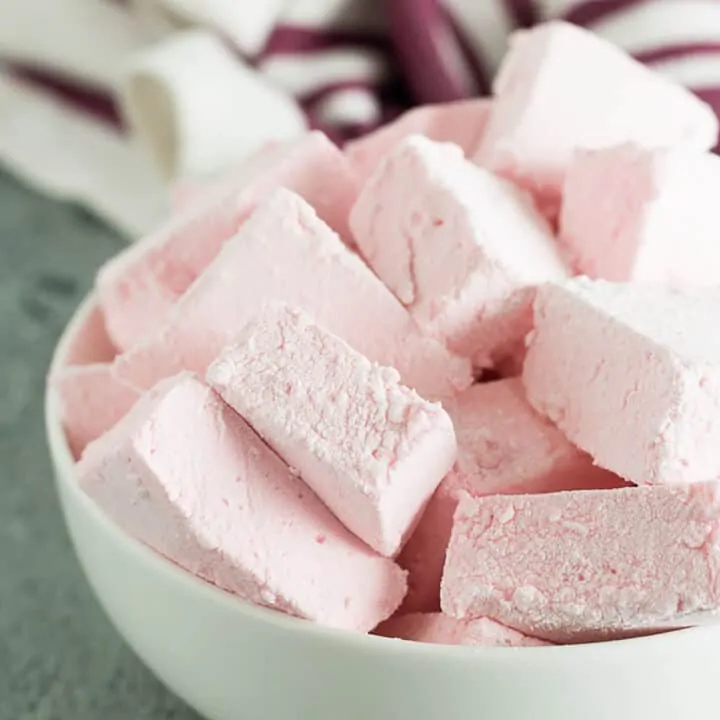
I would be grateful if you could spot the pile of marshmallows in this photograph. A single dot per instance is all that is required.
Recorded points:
(464, 376)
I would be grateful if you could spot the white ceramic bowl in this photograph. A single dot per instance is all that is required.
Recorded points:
(232, 661)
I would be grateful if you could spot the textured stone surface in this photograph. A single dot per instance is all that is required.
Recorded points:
(59, 657)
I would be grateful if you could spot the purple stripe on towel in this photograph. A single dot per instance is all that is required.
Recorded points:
(670, 52)
(712, 97)
(292, 40)
(523, 12)
(481, 80)
(343, 133)
(432, 57)
(82, 98)
(592, 11)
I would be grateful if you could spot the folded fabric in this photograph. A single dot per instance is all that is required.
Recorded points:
(74, 155)
(201, 84)
(196, 106)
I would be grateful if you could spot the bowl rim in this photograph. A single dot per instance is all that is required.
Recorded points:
(63, 465)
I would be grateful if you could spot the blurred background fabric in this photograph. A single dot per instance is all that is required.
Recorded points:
(115, 104)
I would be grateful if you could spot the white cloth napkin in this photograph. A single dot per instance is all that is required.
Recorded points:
(193, 92)
(65, 152)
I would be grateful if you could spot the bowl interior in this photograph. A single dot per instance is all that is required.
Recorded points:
(85, 341)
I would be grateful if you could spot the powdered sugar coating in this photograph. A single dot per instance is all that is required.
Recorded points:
(582, 566)
(461, 248)
(185, 474)
(504, 447)
(285, 253)
(373, 450)
(631, 374)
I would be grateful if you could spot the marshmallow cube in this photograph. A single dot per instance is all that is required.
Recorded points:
(504, 448)
(461, 248)
(138, 287)
(561, 88)
(183, 473)
(631, 374)
(586, 566)
(373, 450)
(285, 253)
(643, 215)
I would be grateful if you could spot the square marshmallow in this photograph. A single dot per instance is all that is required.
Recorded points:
(183, 473)
(504, 447)
(285, 253)
(441, 629)
(631, 374)
(461, 248)
(373, 450)
(461, 122)
(561, 88)
(138, 287)
(586, 566)
(643, 215)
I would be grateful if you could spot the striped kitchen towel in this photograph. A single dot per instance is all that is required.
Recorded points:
(111, 102)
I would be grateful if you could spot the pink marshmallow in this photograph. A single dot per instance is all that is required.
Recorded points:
(560, 88)
(138, 287)
(442, 629)
(92, 400)
(91, 342)
(504, 447)
(461, 122)
(643, 215)
(285, 253)
(461, 248)
(186, 192)
(508, 448)
(183, 473)
(373, 450)
(586, 566)
(631, 374)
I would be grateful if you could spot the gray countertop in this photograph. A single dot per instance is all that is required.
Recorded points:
(59, 657)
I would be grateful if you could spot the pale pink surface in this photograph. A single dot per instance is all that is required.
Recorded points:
(461, 122)
(91, 399)
(186, 192)
(460, 247)
(575, 567)
(285, 253)
(91, 343)
(373, 450)
(183, 194)
(137, 288)
(643, 215)
(186, 475)
(442, 629)
(504, 447)
(560, 88)
(631, 374)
